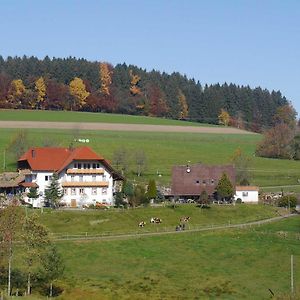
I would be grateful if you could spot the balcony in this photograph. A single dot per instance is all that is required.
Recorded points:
(85, 171)
(66, 184)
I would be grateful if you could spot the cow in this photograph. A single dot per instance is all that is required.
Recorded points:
(184, 219)
(155, 220)
(142, 224)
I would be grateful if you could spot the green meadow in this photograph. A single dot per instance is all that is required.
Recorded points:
(229, 264)
(71, 116)
(221, 264)
(164, 150)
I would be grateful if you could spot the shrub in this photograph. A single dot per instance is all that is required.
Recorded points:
(287, 201)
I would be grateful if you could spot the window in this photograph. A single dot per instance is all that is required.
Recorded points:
(65, 191)
(73, 191)
(94, 166)
(212, 181)
(46, 178)
(94, 191)
(104, 177)
(104, 191)
(245, 194)
(75, 166)
(79, 166)
(72, 177)
(204, 181)
(197, 181)
(98, 166)
(80, 178)
(81, 191)
(93, 177)
(88, 166)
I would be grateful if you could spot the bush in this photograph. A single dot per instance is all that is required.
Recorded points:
(288, 201)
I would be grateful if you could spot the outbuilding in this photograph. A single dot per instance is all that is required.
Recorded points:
(247, 194)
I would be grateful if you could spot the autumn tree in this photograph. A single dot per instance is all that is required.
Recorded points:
(277, 142)
(78, 91)
(241, 163)
(16, 92)
(40, 87)
(286, 114)
(105, 71)
(135, 79)
(224, 188)
(224, 117)
(157, 102)
(121, 159)
(183, 106)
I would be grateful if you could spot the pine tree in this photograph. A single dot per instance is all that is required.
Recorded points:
(151, 191)
(53, 193)
(224, 188)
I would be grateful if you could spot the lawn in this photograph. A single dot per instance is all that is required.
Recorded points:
(71, 116)
(231, 264)
(164, 150)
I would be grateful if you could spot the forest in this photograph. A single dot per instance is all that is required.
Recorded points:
(78, 84)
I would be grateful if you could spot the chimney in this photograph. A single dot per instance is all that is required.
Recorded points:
(33, 153)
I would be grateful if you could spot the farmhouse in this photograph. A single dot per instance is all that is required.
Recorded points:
(247, 194)
(85, 177)
(190, 181)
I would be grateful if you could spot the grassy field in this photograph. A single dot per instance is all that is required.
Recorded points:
(71, 116)
(126, 221)
(223, 264)
(163, 150)
(231, 264)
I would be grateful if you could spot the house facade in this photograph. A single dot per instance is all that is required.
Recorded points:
(247, 194)
(85, 177)
(191, 181)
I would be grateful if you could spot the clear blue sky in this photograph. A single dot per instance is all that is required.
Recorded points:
(244, 42)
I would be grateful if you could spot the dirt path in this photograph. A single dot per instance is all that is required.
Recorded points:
(120, 127)
(141, 234)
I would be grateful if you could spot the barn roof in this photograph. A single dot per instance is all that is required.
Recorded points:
(192, 180)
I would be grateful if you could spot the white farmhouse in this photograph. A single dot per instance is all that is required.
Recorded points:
(248, 194)
(85, 177)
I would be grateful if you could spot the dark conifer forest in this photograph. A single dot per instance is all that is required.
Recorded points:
(81, 85)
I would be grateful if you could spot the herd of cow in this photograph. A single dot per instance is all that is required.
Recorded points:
(155, 220)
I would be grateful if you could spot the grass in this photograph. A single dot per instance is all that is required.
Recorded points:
(71, 116)
(231, 264)
(164, 150)
(126, 221)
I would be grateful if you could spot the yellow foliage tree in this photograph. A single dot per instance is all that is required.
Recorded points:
(40, 87)
(224, 117)
(183, 106)
(78, 91)
(135, 79)
(16, 91)
(105, 78)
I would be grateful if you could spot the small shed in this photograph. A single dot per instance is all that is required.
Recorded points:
(248, 194)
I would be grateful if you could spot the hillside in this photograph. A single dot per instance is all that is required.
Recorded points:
(77, 84)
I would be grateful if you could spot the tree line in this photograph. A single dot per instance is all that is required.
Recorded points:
(78, 84)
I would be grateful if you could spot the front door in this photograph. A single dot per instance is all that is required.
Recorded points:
(73, 203)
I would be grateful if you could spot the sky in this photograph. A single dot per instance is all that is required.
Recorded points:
(255, 43)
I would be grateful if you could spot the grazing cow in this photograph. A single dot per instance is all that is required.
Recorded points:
(156, 220)
(185, 219)
(142, 224)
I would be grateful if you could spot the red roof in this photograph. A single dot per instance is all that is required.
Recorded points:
(56, 159)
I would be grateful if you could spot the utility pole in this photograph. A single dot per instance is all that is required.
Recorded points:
(4, 158)
(292, 274)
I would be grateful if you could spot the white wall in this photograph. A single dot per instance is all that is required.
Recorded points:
(247, 196)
